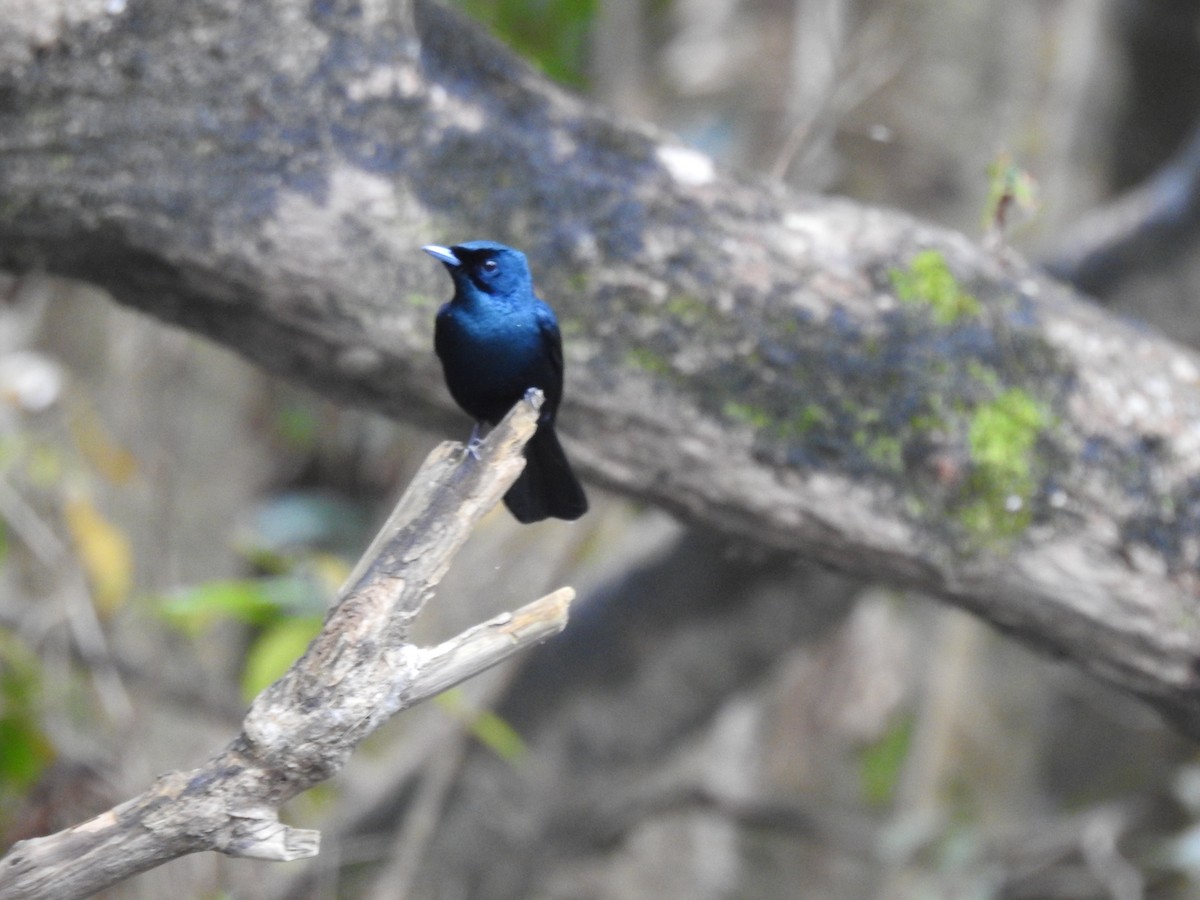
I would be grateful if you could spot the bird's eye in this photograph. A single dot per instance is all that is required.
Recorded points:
(490, 266)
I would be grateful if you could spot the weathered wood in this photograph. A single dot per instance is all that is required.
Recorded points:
(358, 672)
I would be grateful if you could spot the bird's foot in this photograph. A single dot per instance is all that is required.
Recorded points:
(535, 398)
(474, 442)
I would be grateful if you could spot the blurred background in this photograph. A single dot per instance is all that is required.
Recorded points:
(717, 721)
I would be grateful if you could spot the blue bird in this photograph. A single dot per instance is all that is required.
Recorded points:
(496, 340)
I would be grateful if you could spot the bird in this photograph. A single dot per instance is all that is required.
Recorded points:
(496, 340)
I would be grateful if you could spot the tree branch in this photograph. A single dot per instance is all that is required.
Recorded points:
(1141, 229)
(356, 674)
(770, 364)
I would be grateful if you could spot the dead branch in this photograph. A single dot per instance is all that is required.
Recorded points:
(358, 672)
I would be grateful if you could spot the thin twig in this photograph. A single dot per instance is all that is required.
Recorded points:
(77, 606)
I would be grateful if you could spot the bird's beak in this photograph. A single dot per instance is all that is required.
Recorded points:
(444, 254)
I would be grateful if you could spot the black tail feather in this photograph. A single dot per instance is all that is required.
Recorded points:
(547, 487)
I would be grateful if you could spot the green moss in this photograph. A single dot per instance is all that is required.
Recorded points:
(1001, 437)
(570, 328)
(785, 326)
(929, 281)
(1004, 431)
(647, 360)
(744, 412)
(689, 310)
(887, 452)
(925, 423)
(985, 375)
(810, 417)
(578, 283)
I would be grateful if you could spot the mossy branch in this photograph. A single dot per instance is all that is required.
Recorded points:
(748, 357)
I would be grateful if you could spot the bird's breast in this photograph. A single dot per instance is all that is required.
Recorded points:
(491, 359)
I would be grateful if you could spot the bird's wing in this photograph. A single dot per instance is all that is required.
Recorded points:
(552, 345)
(440, 337)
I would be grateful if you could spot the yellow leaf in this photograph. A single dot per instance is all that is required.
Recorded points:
(104, 552)
(104, 454)
(331, 570)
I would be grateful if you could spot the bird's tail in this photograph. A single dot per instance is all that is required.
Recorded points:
(547, 487)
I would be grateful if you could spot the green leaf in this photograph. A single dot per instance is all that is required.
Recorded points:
(881, 763)
(485, 726)
(297, 426)
(255, 601)
(195, 608)
(550, 33)
(274, 652)
(1013, 194)
(497, 735)
(25, 750)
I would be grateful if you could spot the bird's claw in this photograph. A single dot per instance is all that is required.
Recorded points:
(535, 398)
(474, 442)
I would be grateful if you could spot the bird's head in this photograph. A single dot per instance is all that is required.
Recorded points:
(485, 267)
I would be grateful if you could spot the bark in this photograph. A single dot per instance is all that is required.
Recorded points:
(787, 369)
